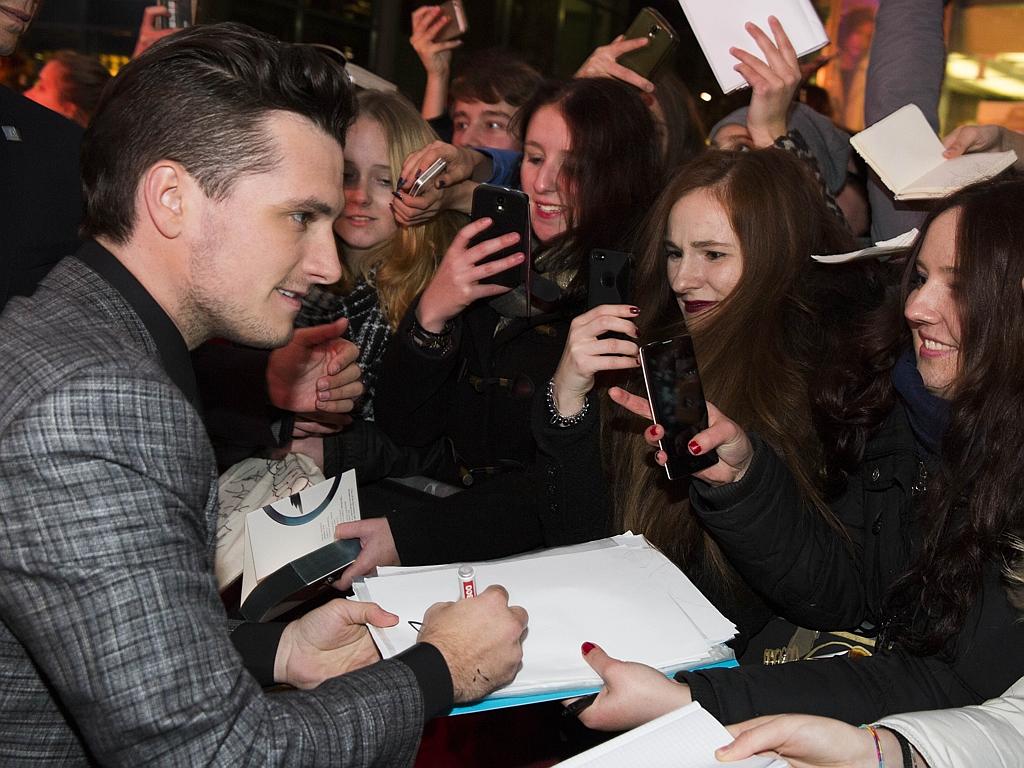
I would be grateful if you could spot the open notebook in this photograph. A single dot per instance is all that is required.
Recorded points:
(685, 738)
(719, 26)
(907, 156)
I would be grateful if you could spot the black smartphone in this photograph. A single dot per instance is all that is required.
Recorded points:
(661, 43)
(677, 402)
(609, 278)
(509, 211)
(457, 24)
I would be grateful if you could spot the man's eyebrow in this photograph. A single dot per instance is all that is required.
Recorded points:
(312, 204)
(496, 113)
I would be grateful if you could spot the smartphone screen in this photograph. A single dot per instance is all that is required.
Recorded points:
(509, 211)
(677, 402)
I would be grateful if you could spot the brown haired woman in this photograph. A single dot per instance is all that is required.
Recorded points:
(727, 259)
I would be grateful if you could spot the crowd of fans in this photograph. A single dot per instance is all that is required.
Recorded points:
(239, 270)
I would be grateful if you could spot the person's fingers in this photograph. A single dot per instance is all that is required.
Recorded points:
(491, 246)
(632, 403)
(627, 75)
(755, 66)
(722, 430)
(598, 660)
(359, 567)
(318, 334)
(759, 735)
(468, 232)
(491, 268)
(783, 42)
(765, 44)
(356, 612)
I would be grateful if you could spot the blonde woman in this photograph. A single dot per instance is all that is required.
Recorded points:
(384, 266)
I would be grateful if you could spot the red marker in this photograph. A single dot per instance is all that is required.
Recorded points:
(467, 581)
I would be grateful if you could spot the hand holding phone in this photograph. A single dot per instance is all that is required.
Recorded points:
(461, 277)
(661, 43)
(457, 24)
(677, 402)
(436, 169)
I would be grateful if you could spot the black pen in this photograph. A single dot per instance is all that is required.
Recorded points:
(574, 709)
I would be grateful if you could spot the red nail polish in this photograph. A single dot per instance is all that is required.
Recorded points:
(694, 447)
(587, 648)
(635, 310)
(650, 431)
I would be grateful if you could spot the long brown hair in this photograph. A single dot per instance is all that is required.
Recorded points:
(756, 349)
(973, 511)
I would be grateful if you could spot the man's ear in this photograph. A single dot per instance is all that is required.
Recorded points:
(163, 197)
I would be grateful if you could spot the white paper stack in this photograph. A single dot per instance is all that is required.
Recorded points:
(620, 593)
(719, 27)
(896, 244)
(907, 156)
(684, 738)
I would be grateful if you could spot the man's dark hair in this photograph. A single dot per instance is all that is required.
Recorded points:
(83, 81)
(495, 75)
(200, 98)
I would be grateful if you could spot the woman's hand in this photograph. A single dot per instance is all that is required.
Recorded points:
(427, 23)
(633, 694)
(809, 742)
(463, 163)
(456, 284)
(773, 81)
(585, 354)
(722, 435)
(603, 62)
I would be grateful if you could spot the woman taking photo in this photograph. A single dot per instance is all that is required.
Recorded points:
(923, 424)
(723, 263)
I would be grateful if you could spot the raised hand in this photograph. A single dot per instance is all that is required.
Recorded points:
(603, 62)
(773, 81)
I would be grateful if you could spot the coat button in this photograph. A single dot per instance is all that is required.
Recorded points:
(875, 474)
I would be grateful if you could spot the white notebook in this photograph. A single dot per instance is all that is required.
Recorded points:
(685, 738)
(907, 156)
(719, 26)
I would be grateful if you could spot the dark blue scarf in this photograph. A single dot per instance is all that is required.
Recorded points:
(928, 414)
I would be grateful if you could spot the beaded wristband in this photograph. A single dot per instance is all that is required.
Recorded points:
(878, 745)
(435, 342)
(558, 419)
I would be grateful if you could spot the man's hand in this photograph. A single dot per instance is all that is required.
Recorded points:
(378, 548)
(148, 33)
(329, 641)
(481, 639)
(316, 373)
(633, 693)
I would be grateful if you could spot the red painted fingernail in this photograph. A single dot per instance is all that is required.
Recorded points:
(650, 431)
(635, 310)
(587, 648)
(694, 447)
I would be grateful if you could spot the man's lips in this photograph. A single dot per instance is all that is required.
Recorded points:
(21, 16)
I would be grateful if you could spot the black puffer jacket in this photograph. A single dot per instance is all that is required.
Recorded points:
(815, 578)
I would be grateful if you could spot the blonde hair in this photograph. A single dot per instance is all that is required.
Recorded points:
(405, 262)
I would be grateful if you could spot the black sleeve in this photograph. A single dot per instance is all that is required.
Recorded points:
(802, 566)
(434, 678)
(413, 393)
(984, 660)
(257, 645)
(237, 412)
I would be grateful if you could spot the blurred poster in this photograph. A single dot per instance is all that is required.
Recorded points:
(851, 25)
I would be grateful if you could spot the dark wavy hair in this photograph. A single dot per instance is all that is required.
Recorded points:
(493, 75)
(200, 98)
(759, 348)
(612, 173)
(974, 509)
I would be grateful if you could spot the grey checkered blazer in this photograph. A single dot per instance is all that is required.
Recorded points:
(112, 643)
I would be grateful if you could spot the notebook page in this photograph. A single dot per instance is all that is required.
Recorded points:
(900, 148)
(685, 738)
(717, 31)
(958, 172)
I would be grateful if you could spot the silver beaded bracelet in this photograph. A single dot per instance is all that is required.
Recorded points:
(558, 419)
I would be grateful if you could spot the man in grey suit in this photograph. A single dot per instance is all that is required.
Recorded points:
(212, 176)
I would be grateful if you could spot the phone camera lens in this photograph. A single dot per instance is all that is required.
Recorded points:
(653, 32)
(501, 199)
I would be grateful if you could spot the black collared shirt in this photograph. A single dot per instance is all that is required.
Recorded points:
(174, 355)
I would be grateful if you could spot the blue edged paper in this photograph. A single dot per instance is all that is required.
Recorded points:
(487, 705)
